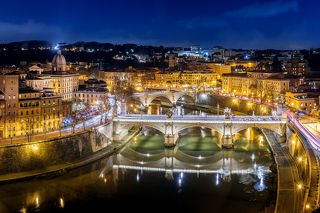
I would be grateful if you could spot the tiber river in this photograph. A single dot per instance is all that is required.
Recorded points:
(196, 176)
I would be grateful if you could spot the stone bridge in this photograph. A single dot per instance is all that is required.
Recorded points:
(146, 98)
(170, 127)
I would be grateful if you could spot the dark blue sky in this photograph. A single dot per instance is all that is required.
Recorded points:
(231, 23)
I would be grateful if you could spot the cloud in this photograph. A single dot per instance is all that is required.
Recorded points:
(28, 30)
(266, 9)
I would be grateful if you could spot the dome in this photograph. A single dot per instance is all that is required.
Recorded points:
(59, 62)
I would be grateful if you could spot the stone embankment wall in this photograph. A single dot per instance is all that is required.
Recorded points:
(33, 156)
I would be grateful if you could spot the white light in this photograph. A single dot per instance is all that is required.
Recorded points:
(252, 157)
(217, 179)
(181, 174)
(138, 178)
(61, 201)
(179, 182)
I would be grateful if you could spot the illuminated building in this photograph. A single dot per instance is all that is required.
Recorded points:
(266, 86)
(63, 82)
(112, 77)
(94, 92)
(167, 78)
(296, 67)
(301, 101)
(9, 86)
(42, 104)
(220, 69)
(195, 78)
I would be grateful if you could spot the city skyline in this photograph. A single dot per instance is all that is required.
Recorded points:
(250, 24)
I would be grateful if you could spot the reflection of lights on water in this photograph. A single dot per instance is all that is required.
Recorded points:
(260, 186)
(252, 157)
(179, 182)
(35, 147)
(105, 180)
(181, 175)
(61, 202)
(203, 134)
(138, 178)
(148, 155)
(23, 210)
(261, 140)
(200, 157)
(37, 202)
(217, 179)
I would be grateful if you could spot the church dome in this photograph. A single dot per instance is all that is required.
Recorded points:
(59, 62)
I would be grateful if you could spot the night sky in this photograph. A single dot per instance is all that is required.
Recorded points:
(282, 24)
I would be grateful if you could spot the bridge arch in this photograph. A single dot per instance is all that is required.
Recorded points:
(168, 98)
(218, 128)
(187, 96)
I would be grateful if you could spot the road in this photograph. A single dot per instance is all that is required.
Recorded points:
(289, 197)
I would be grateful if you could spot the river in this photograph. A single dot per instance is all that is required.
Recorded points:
(197, 175)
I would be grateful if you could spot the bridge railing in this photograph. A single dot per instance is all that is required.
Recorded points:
(208, 117)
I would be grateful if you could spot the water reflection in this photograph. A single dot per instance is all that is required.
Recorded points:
(197, 175)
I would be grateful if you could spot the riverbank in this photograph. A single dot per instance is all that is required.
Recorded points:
(288, 177)
(64, 167)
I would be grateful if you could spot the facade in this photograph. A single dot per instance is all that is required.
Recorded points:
(194, 78)
(94, 92)
(266, 87)
(301, 101)
(167, 78)
(9, 86)
(111, 77)
(220, 69)
(91, 96)
(40, 82)
(64, 84)
(296, 67)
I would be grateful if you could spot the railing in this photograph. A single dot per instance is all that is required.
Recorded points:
(249, 119)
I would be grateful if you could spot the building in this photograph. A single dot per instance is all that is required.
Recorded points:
(63, 82)
(220, 69)
(302, 101)
(266, 86)
(9, 87)
(40, 104)
(116, 76)
(196, 78)
(94, 92)
(296, 67)
(163, 79)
